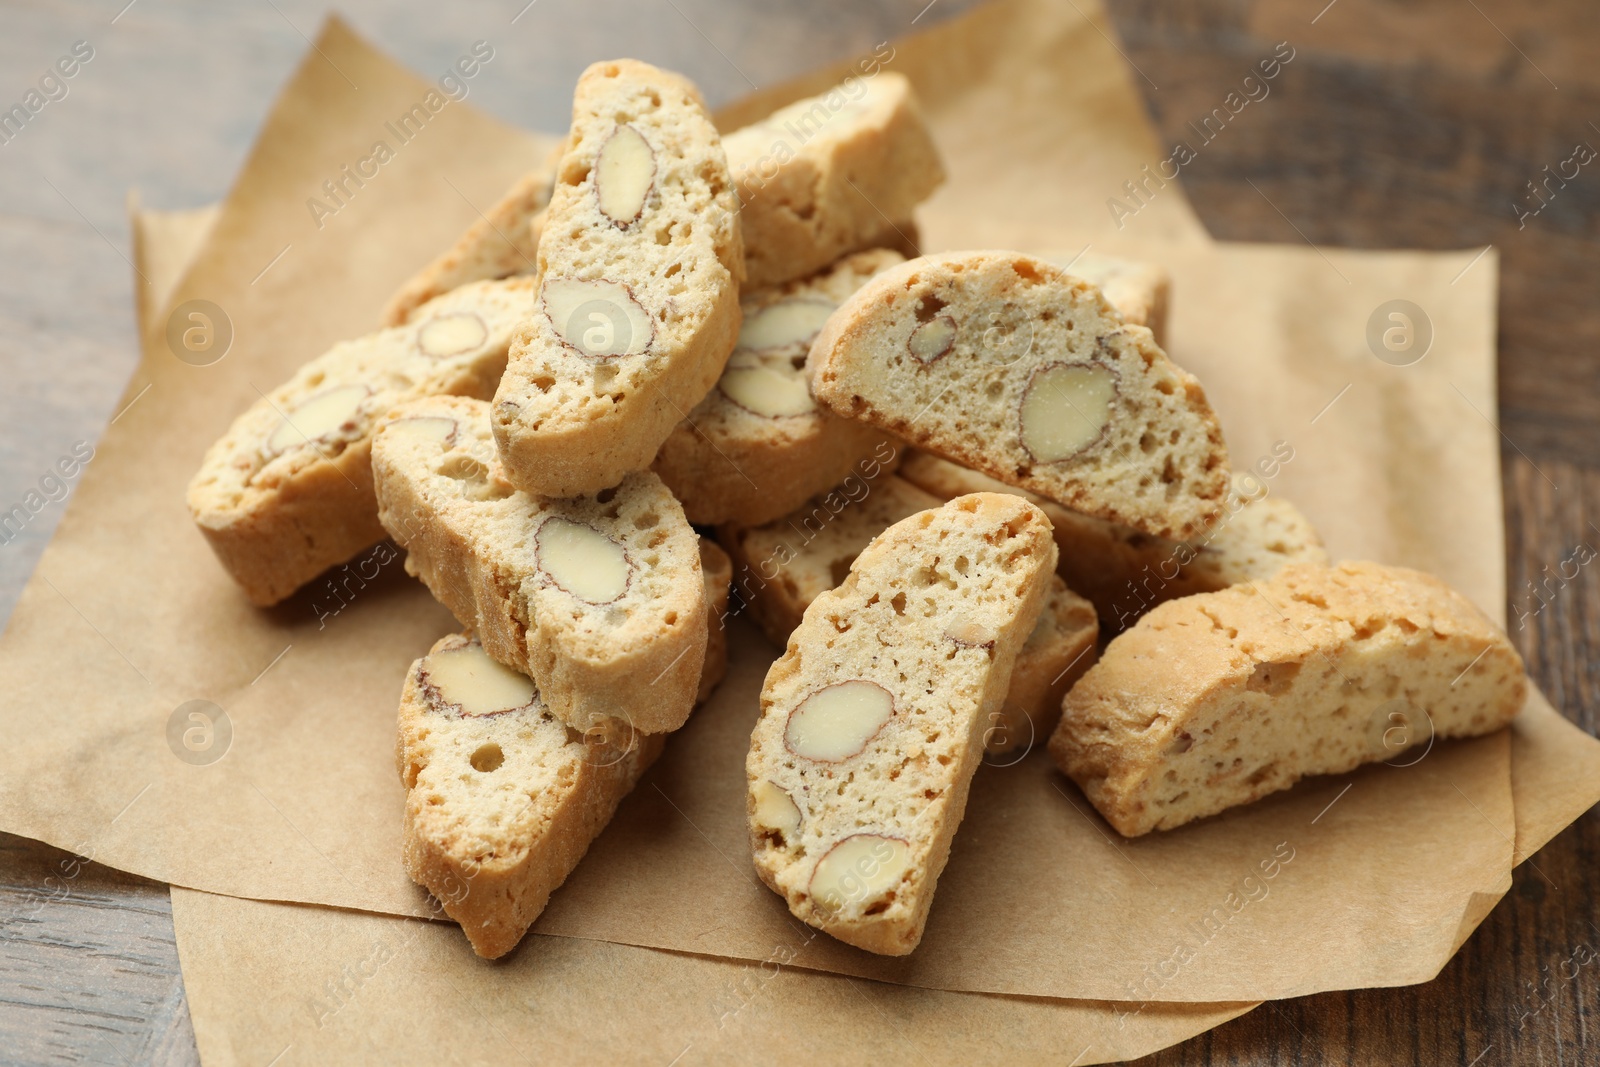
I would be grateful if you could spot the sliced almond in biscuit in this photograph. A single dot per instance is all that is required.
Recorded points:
(625, 172)
(320, 418)
(1034, 380)
(583, 561)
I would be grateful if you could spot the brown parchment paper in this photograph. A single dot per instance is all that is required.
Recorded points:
(128, 617)
(289, 984)
(267, 997)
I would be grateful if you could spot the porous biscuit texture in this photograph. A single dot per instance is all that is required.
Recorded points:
(1141, 291)
(599, 599)
(1005, 364)
(784, 565)
(872, 721)
(640, 264)
(502, 798)
(287, 492)
(1221, 698)
(1124, 572)
(501, 243)
(758, 446)
(822, 177)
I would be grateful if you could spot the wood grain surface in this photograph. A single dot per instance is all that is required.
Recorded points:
(1400, 123)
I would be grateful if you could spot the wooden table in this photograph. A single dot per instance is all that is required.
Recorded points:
(1412, 124)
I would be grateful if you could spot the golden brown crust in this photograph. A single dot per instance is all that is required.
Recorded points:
(473, 540)
(636, 317)
(1156, 459)
(1221, 698)
(1123, 572)
(831, 174)
(279, 515)
(729, 463)
(493, 838)
(930, 620)
(1062, 646)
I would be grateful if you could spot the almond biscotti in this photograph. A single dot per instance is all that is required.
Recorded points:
(1140, 291)
(872, 722)
(1125, 572)
(287, 492)
(598, 599)
(500, 244)
(640, 263)
(822, 177)
(502, 797)
(1005, 364)
(758, 446)
(783, 565)
(786, 564)
(1219, 699)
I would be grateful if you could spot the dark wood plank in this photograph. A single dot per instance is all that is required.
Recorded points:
(88, 964)
(1418, 125)
(1398, 124)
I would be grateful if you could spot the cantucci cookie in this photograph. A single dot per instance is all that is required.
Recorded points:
(1140, 291)
(782, 566)
(1005, 364)
(717, 571)
(1063, 644)
(823, 176)
(287, 492)
(599, 599)
(640, 266)
(872, 722)
(500, 244)
(1218, 699)
(757, 446)
(502, 797)
(786, 564)
(1124, 572)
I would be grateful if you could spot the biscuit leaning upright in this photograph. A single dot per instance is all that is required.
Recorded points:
(874, 719)
(1008, 365)
(640, 262)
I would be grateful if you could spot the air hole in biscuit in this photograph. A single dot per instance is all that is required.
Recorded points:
(898, 603)
(605, 496)
(1026, 271)
(1261, 774)
(1272, 678)
(928, 307)
(487, 758)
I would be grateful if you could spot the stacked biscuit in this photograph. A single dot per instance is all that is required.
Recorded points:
(936, 481)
